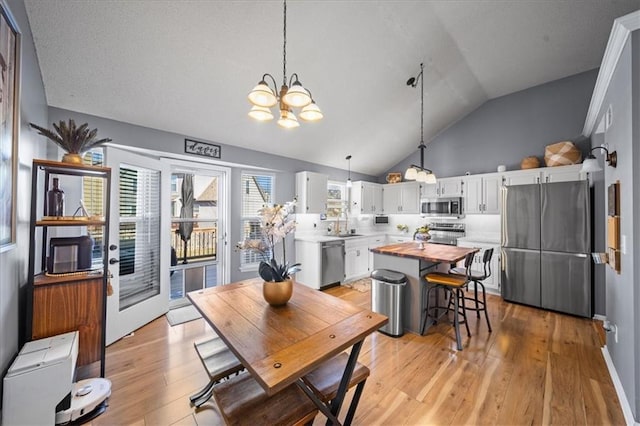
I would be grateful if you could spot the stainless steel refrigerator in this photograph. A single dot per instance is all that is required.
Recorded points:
(546, 245)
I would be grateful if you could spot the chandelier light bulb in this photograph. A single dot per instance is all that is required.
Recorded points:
(262, 95)
(431, 178)
(297, 96)
(260, 113)
(288, 120)
(311, 112)
(422, 176)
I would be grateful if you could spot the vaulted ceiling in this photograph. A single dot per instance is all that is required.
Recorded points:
(186, 66)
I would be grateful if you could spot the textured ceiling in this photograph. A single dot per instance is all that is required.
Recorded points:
(186, 66)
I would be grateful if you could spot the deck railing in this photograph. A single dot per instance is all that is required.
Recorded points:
(202, 243)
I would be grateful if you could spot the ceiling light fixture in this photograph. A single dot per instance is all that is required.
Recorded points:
(420, 173)
(293, 95)
(349, 183)
(590, 164)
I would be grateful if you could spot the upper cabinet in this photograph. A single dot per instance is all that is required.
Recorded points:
(311, 192)
(563, 174)
(482, 194)
(366, 198)
(544, 175)
(401, 198)
(446, 187)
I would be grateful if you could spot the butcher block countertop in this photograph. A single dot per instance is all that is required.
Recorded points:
(430, 253)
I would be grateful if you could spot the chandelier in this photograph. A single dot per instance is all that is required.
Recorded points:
(420, 173)
(291, 95)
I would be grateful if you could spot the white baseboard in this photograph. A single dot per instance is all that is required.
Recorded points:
(622, 397)
(602, 318)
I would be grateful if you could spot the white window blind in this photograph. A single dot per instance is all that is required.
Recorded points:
(257, 190)
(139, 235)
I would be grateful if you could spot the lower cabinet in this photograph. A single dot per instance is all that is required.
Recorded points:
(69, 305)
(356, 258)
(492, 283)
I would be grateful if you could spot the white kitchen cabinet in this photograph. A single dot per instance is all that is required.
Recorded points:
(482, 194)
(492, 283)
(401, 198)
(366, 198)
(356, 258)
(377, 241)
(563, 173)
(445, 187)
(521, 177)
(309, 254)
(450, 187)
(311, 192)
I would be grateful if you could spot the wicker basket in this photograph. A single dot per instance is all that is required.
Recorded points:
(562, 154)
(530, 163)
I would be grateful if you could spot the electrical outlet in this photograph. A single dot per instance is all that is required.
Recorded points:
(615, 333)
(623, 244)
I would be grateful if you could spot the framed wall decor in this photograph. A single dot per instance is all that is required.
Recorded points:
(201, 148)
(9, 124)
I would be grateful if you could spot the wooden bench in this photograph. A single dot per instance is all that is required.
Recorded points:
(242, 401)
(325, 380)
(219, 362)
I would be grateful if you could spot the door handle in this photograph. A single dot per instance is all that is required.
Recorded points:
(113, 261)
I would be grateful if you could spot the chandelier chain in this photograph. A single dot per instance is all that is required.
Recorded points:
(284, 47)
(422, 104)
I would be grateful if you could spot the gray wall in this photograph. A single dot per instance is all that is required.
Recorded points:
(623, 295)
(507, 129)
(622, 292)
(13, 263)
(236, 157)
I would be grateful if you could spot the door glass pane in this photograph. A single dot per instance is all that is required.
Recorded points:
(194, 231)
(139, 235)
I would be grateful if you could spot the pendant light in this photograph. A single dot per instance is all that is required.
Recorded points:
(291, 95)
(349, 183)
(420, 173)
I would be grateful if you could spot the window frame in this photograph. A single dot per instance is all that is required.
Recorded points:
(244, 265)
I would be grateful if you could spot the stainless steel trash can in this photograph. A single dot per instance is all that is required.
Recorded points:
(387, 297)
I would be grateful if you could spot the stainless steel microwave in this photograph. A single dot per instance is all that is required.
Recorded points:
(442, 207)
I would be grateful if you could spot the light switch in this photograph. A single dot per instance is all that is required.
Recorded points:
(623, 244)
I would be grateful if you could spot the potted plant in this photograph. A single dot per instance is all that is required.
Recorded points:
(275, 223)
(74, 140)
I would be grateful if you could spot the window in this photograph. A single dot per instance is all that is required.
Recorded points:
(257, 190)
(336, 199)
(93, 201)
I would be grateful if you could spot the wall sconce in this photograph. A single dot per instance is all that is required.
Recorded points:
(590, 164)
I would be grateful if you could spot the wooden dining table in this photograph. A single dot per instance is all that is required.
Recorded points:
(280, 345)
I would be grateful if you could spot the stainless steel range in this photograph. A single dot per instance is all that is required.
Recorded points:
(446, 232)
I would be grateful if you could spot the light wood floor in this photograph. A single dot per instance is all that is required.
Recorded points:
(536, 367)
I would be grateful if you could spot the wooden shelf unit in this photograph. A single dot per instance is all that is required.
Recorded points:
(75, 301)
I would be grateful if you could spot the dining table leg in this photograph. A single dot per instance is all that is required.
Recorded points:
(331, 412)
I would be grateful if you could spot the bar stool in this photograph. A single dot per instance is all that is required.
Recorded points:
(480, 305)
(453, 285)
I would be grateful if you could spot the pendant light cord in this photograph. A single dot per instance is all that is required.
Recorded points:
(421, 104)
(284, 47)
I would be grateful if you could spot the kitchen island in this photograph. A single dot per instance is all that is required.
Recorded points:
(415, 262)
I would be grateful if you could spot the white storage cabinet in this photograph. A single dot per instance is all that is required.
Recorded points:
(366, 198)
(401, 198)
(482, 194)
(311, 192)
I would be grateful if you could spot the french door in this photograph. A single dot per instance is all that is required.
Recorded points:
(139, 252)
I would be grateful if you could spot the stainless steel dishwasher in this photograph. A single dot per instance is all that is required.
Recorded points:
(332, 255)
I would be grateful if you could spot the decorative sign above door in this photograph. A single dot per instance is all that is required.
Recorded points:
(201, 148)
